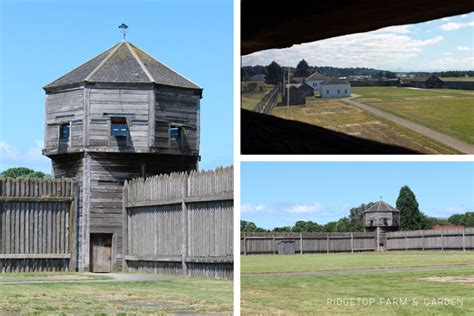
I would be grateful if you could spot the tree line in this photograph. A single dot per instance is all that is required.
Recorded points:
(274, 72)
(411, 218)
(23, 172)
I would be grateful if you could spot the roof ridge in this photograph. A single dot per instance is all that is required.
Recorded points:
(102, 63)
(140, 62)
(165, 65)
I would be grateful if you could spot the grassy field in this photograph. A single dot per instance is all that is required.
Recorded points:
(359, 292)
(457, 78)
(173, 295)
(337, 115)
(250, 100)
(444, 110)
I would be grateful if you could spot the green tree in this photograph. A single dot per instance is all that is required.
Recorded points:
(410, 216)
(22, 172)
(302, 69)
(274, 73)
(282, 229)
(250, 227)
(306, 226)
(356, 217)
(466, 220)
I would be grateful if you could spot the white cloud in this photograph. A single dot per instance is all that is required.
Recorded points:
(447, 54)
(309, 208)
(374, 49)
(251, 208)
(7, 152)
(452, 26)
(31, 157)
(464, 48)
(464, 16)
(451, 63)
(399, 29)
(445, 19)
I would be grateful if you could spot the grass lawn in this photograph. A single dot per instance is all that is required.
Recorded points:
(337, 115)
(341, 294)
(364, 260)
(457, 78)
(447, 111)
(176, 295)
(250, 100)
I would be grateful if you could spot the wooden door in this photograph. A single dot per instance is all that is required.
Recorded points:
(101, 252)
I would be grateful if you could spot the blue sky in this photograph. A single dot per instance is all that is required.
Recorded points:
(280, 193)
(42, 40)
(443, 44)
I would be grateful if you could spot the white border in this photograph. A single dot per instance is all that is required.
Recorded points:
(236, 108)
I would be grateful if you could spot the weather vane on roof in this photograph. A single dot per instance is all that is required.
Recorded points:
(124, 28)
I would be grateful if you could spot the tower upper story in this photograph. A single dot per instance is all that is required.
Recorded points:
(122, 100)
(381, 215)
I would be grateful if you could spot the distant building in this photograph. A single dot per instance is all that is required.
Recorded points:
(381, 218)
(297, 95)
(258, 78)
(297, 80)
(315, 80)
(335, 88)
(426, 82)
(448, 227)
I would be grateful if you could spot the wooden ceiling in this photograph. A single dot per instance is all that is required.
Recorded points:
(271, 24)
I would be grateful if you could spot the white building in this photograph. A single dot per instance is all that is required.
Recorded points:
(315, 80)
(335, 88)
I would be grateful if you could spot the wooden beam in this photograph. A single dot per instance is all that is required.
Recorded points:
(35, 256)
(20, 199)
(197, 199)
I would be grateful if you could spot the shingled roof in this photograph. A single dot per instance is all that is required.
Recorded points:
(334, 81)
(316, 76)
(381, 206)
(124, 63)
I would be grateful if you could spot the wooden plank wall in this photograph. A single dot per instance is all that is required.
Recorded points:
(64, 107)
(434, 239)
(267, 243)
(180, 223)
(177, 107)
(38, 224)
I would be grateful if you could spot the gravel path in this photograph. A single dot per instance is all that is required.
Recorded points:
(428, 132)
(370, 270)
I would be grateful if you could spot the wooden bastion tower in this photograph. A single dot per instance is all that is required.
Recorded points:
(120, 115)
(381, 218)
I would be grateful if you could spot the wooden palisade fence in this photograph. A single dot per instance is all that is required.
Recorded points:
(434, 239)
(180, 223)
(268, 102)
(38, 225)
(300, 243)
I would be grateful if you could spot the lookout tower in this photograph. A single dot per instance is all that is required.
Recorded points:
(381, 218)
(120, 115)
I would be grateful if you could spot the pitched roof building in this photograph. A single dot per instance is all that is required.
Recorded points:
(120, 115)
(381, 217)
(335, 88)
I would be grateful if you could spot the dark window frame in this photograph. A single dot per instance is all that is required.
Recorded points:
(116, 127)
(64, 129)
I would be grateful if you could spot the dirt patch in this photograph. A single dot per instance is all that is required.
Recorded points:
(430, 97)
(161, 305)
(59, 277)
(457, 279)
(329, 110)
